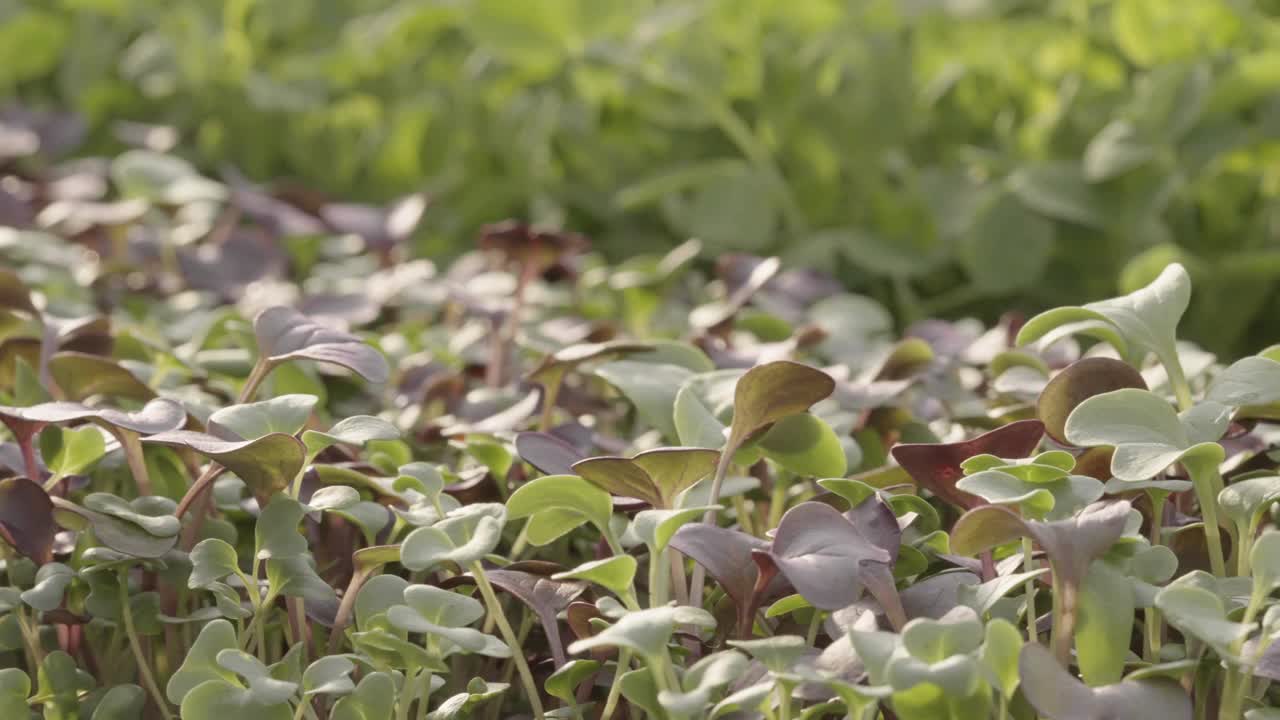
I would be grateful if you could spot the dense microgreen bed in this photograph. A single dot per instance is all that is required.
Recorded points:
(259, 473)
(943, 156)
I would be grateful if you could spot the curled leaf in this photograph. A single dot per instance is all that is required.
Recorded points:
(545, 596)
(656, 476)
(651, 388)
(1072, 543)
(1057, 695)
(1249, 381)
(158, 415)
(266, 464)
(768, 393)
(824, 555)
(547, 453)
(564, 497)
(286, 415)
(285, 334)
(1144, 320)
(645, 632)
(554, 365)
(462, 537)
(614, 573)
(936, 466)
(357, 431)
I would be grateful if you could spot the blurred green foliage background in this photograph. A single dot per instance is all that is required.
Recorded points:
(946, 156)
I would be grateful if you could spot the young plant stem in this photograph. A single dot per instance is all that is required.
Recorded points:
(811, 636)
(131, 444)
(1158, 499)
(1153, 625)
(517, 547)
(295, 487)
(1241, 550)
(111, 655)
(173, 647)
(663, 673)
(25, 439)
(784, 700)
(495, 373)
(261, 601)
(615, 688)
(658, 576)
(550, 391)
(197, 491)
(1244, 545)
(424, 695)
(1064, 620)
(1153, 628)
(1236, 686)
(745, 520)
(1178, 381)
(197, 500)
(296, 624)
(615, 547)
(406, 695)
(1231, 706)
(255, 635)
(629, 600)
(30, 640)
(879, 582)
(1207, 483)
(778, 497)
(261, 369)
(681, 589)
(699, 572)
(717, 482)
(509, 635)
(1028, 564)
(497, 352)
(198, 488)
(144, 668)
(526, 625)
(1201, 688)
(988, 560)
(347, 606)
(695, 585)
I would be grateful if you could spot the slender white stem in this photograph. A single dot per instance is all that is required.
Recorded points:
(509, 635)
(699, 572)
(144, 668)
